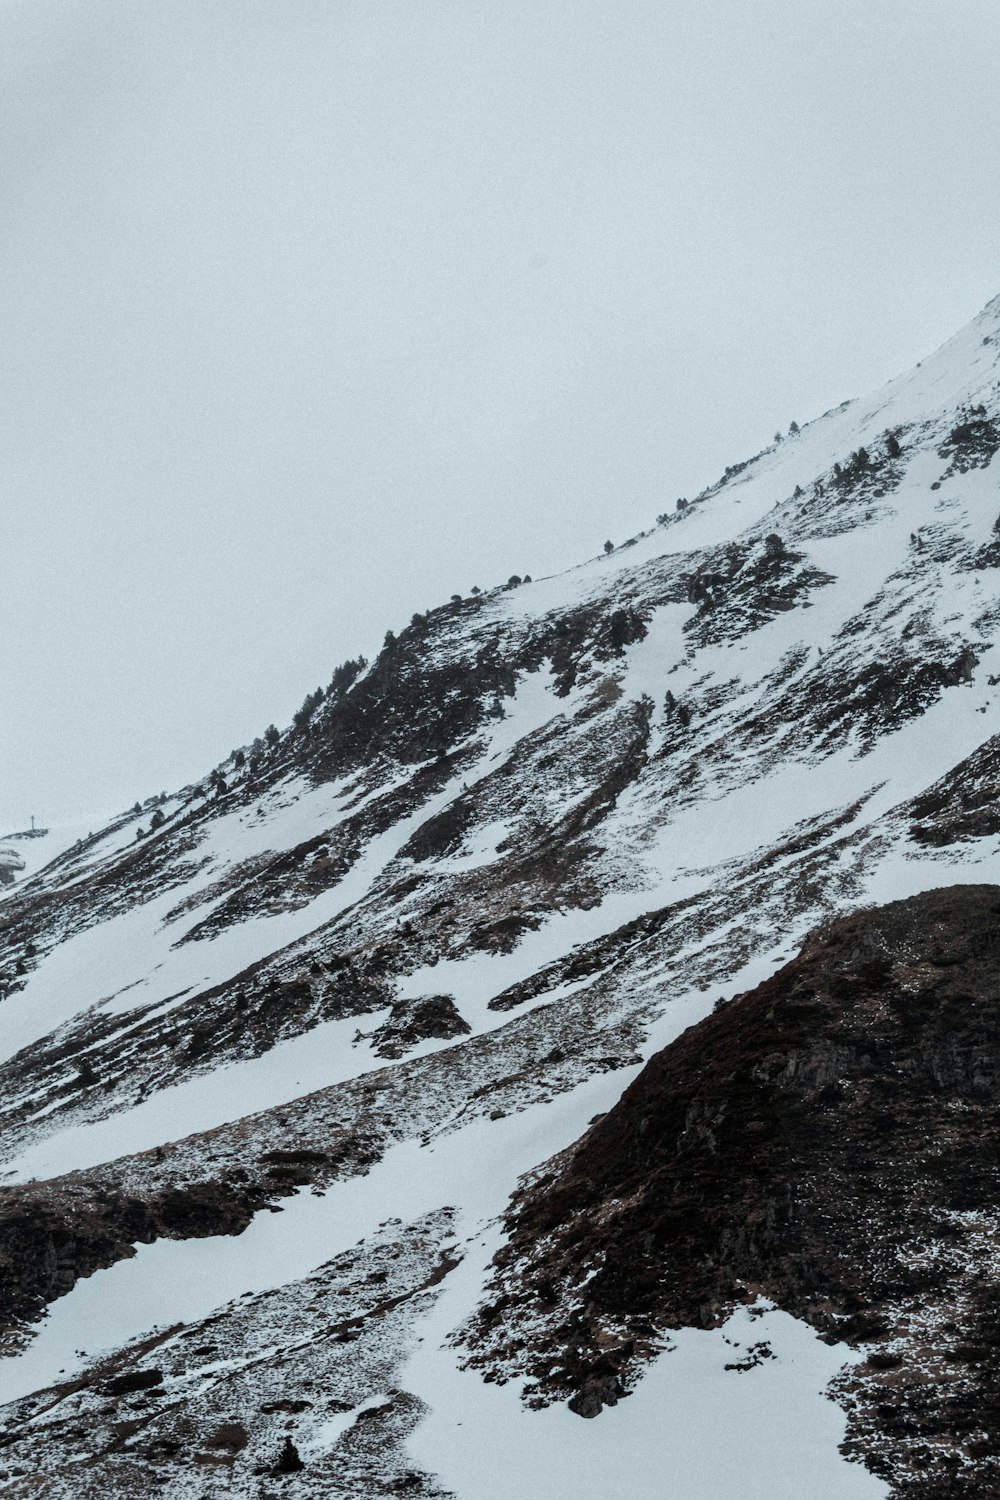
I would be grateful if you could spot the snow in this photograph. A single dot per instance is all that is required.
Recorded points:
(692, 1429)
(170, 1280)
(133, 959)
(64, 834)
(300, 1065)
(483, 848)
(779, 1428)
(475, 980)
(322, 1437)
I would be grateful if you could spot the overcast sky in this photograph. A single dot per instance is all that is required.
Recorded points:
(314, 312)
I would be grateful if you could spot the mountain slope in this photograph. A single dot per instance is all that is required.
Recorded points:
(479, 880)
(828, 1141)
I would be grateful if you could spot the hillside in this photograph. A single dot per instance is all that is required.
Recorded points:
(828, 1142)
(300, 1039)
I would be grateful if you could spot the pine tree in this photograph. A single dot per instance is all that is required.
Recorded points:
(86, 1076)
(289, 1461)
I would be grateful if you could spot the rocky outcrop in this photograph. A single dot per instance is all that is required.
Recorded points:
(830, 1140)
(52, 1233)
(410, 1022)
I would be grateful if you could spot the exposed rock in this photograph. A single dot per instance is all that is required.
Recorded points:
(427, 1018)
(830, 1140)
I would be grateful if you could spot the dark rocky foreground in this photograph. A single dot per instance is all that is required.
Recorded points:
(830, 1140)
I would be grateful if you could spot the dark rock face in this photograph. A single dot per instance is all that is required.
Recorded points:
(739, 588)
(430, 1017)
(134, 1380)
(830, 1140)
(964, 804)
(50, 1238)
(972, 442)
(52, 1233)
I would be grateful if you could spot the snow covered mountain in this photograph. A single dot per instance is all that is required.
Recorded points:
(278, 1050)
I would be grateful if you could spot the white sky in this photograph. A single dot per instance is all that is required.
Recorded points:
(313, 312)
